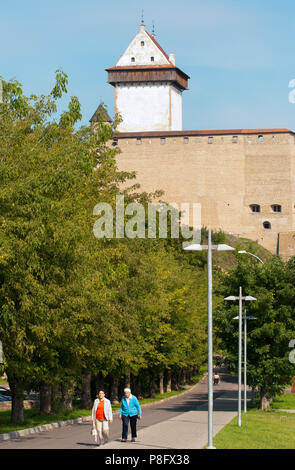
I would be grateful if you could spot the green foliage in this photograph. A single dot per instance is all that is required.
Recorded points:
(269, 335)
(70, 303)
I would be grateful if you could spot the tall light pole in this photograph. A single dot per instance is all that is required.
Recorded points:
(209, 248)
(240, 298)
(245, 318)
(244, 252)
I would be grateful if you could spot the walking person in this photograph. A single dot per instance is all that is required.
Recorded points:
(102, 415)
(216, 379)
(129, 411)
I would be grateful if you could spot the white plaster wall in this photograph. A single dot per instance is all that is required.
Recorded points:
(142, 54)
(143, 107)
(176, 109)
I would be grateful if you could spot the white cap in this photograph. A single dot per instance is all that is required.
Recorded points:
(127, 390)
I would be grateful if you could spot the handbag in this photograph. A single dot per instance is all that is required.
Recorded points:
(94, 432)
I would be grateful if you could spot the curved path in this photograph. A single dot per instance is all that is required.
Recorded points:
(180, 423)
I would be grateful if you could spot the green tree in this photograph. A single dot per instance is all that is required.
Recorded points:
(51, 177)
(269, 335)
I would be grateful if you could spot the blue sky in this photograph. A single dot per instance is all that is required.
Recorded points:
(238, 53)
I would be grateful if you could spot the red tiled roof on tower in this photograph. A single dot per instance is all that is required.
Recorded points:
(152, 36)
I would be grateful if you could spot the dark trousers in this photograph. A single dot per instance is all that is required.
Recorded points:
(125, 421)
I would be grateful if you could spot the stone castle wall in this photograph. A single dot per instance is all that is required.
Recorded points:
(226, 173)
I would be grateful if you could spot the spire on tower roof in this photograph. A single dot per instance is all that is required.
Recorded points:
(142, 25)
(153, 29)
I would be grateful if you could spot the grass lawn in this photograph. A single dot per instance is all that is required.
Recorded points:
(33, 418)
(285, 401)
(261, 430)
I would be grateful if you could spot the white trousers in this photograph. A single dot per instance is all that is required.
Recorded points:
(102, 427)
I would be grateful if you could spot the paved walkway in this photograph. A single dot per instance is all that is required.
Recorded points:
(188, 430)
(180, 423)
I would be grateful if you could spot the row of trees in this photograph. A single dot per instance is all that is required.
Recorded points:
(75, 311)
(268, 364)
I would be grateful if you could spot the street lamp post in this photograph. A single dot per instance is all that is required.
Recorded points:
(245, 357)
(245, 318)
(240, 298)
(209, 248)
(244, 252)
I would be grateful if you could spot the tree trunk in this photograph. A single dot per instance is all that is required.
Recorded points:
(175, 384)
(45, 398)
(55, 398)
(99, 382)
(86, 402)
(66, 396)
(114, 391)
(17, 405)
(127, 380)
(137, 387)
(264, 400)
(152, 387)
(183, 377)
(161, 382)
(169, 381)
(190, 376)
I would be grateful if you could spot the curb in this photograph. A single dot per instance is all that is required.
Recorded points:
(59, 424)
(44, 427)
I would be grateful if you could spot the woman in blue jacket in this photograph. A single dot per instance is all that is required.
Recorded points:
(129, 411)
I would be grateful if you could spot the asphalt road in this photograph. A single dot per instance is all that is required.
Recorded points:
(78, 436)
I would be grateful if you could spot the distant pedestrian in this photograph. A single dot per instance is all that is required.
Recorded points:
(129, 411)
(216, 379)
(102, 415)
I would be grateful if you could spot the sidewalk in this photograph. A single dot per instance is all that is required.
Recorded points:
(188, 430)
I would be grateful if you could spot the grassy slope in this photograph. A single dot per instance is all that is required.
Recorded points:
(261, 430)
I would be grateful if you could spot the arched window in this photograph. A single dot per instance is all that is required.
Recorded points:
(255, 207)
(267, 225)
(260, 138)
(235, 139)
(210, 139)
(152, 59)
(276, 208)
(142, 43)
(132, 59)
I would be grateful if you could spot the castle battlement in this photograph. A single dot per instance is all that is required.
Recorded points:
(228, 136)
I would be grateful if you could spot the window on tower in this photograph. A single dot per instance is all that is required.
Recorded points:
(152, 59)
(210, 140)
(276, 208)
(255, 207)
(142, 43)
(132, 59)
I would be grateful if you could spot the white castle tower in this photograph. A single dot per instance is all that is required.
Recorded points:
(148, 87)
